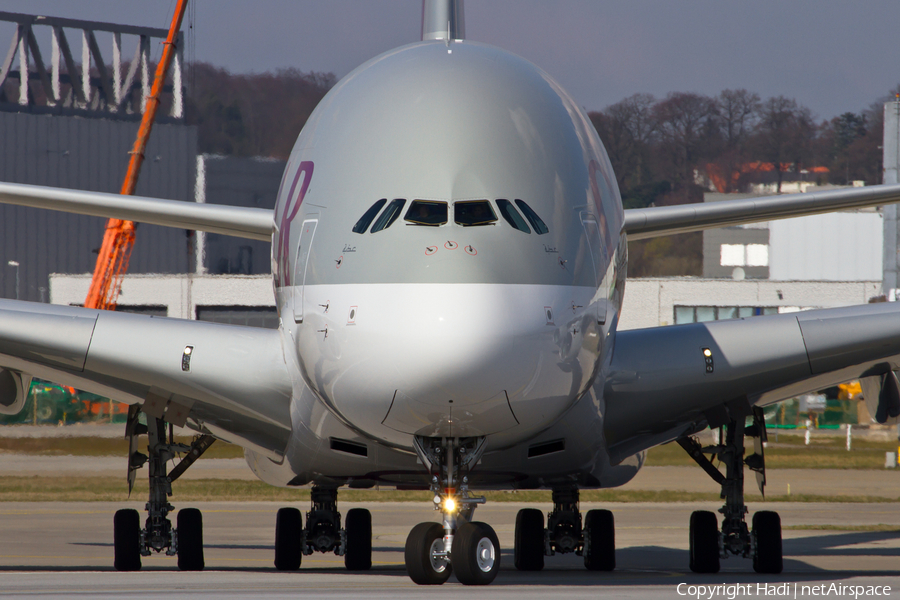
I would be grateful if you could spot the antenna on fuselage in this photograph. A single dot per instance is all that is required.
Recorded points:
(443, 20)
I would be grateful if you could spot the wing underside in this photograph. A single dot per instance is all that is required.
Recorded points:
(665, 371)
(233, 382)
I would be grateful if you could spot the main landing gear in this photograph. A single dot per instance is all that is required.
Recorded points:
(457, 544)
(763, 542)
(595, 541)
(323, 533)
(186, 539)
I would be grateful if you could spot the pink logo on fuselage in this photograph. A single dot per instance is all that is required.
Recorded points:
(291, 208)
(593, 172)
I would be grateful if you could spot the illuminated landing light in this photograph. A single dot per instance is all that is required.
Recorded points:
(449, 504)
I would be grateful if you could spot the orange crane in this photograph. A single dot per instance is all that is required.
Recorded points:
(118, 240)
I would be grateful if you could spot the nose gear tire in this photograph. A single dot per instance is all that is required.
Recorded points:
(475, 554)
(420, 565)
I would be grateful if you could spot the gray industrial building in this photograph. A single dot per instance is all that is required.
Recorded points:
(72, 125)
(86, 154)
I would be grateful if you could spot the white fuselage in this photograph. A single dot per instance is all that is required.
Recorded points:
(450, 330)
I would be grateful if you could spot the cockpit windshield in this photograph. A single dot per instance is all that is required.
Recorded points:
(512, 216)
(536, 222)
(390, 214)
(471, 213)
(425, 212)
(366, 219)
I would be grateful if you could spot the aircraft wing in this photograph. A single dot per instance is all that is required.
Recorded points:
(237, 221)
(233, 382)
(662, 386)
(656, 221)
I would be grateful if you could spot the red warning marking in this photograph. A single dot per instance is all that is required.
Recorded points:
(430, 250)
(451, 245)
(471, 250)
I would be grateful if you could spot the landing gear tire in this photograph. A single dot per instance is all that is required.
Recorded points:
(127, 540)
(288, 538)
(190, 540)
(475, 554)
(421, 564)
(704, 542)
(358, 556)
(529, 545)
(767, 556)
(599, 541)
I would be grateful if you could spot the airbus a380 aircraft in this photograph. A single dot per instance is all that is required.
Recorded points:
(449, 259)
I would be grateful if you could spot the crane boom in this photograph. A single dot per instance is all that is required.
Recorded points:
(118, 240)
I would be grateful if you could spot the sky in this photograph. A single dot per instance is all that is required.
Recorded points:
(832, 56)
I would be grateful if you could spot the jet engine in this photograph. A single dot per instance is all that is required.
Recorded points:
(14, 388)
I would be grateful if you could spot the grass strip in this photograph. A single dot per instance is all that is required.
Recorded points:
(96, 446)
(820, 454)
(114, 489)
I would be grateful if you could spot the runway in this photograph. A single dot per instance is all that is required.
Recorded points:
(64, 550)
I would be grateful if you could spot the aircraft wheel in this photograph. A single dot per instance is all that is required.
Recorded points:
(422, 566)
(599, 541)
(190, 540)
(127, 540)
(358, 556)
(704, 540)
(767, 556)
(475, 554)
(529, 546)
(288, 536)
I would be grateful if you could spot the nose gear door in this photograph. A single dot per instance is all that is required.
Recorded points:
(299, 275)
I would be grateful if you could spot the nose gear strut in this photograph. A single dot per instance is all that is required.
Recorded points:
(458, 544)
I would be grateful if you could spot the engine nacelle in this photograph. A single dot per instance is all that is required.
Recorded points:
(14, 387)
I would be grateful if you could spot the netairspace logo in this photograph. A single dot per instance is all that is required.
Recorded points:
(782, 590)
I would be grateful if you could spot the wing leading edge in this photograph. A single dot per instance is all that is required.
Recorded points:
(641, 223)
(233, 382)
(663, 371)
(237, 221)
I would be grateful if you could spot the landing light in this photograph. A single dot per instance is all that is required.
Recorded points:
(449, 504)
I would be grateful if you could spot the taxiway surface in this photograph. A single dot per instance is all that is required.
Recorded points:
(64, 550)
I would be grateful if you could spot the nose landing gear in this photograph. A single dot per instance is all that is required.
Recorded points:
(468, 548)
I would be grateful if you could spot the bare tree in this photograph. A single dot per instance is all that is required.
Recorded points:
(784, 135)
(737, 113)
(686, 124)
(627, 129)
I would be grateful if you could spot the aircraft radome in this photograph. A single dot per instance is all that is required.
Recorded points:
(449, 265)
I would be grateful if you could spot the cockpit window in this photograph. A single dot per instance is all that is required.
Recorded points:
(473, 212)
(366, 219)
(390, 214)
(512, 216)
(424, 212)
(539, 227)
